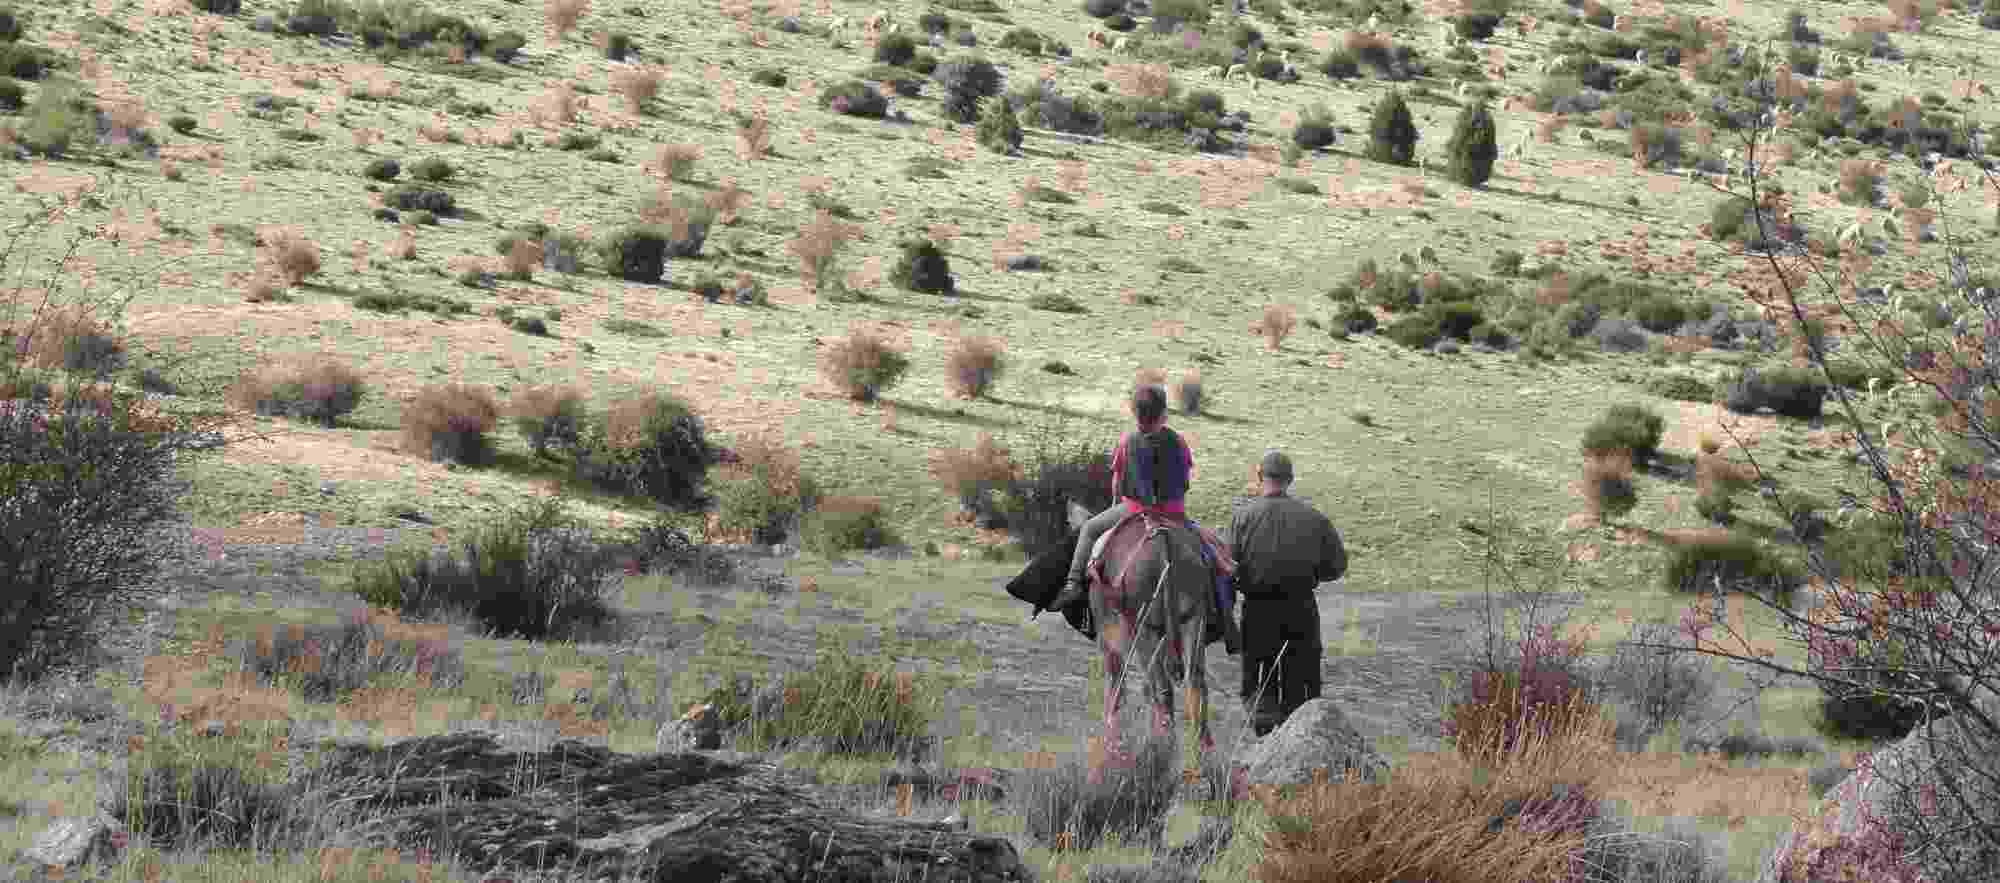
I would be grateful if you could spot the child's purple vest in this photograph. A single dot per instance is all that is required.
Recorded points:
(1156, 467)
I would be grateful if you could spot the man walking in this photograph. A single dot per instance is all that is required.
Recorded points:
(1284, 549)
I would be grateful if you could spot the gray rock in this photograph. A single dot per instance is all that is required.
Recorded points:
(69, 844)
(1888, 795)
(1316, 736)
(698, 730)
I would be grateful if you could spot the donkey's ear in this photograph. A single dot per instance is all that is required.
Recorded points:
(1077, 516)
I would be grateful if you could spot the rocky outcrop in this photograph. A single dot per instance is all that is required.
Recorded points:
(1874, 819)
(583, 812)
(606, 816)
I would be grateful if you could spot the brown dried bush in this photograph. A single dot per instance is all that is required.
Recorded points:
(967, 472)
(1607, 483)
(1715, 474)
(819, 242)
(862, 365)
(1276, 324)
(1555, 290)
(556, 106)
(563, 15)
(1858, 180)
(260, 286)
(290, 253)
(547, 416)
(1190, 392)
(313, 386)
(65, 337)
(1545, 131)
(675, 160)
(973, 365)
(522, 258)
(753, 137)
(449, 422)
(1150, 81)
(405, 246)
(638, 85)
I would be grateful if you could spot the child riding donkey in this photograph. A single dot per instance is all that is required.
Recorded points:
(1151, 468)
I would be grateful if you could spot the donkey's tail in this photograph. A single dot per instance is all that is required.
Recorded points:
(1165, 609)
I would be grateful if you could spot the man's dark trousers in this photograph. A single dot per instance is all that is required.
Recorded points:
(1268, 623)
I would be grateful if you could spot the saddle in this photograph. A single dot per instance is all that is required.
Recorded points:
(1130, 529)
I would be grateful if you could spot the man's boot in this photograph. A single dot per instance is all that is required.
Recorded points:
(1073, 591)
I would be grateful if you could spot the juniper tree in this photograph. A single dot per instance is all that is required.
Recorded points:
(1392, 134)
(1474, 145)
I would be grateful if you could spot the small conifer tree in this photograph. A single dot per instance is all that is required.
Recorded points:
(999, 130)
(1392, 134)
(1474, 145)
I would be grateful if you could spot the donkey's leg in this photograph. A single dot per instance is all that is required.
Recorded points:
(1114, 639)
(1161, 675)
(1193, 632)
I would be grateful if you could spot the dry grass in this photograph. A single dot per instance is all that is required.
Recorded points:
(818, 244)
(56, 333)
(1429, 820)
(639, 85)
(973, 365)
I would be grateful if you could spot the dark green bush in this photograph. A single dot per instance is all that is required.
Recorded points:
(534, 574)
(506, 46)
(843, 524)
(1476, 26)
(433, 169)
(1340, 65)
(1631, 427)
(652, 445)
(999, 130)
(1660, 313)
(1680, 387)
(1356, 319)
(1738, 560)
(855, 98)
(415, 197)
(1415, 332)
(896, 49)
(1474, 144)
(1788, 391)
(635, 254)
(966, 82)
(922, 267)
(1392, 132)
(618, 45)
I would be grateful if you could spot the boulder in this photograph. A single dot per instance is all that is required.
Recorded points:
(599, 815)
(1874, 822)
(1316, 736)
(68, 844)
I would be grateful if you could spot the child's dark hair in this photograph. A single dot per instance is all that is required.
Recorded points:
(1149, 402)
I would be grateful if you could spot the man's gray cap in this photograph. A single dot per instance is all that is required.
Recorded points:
(1276, 465)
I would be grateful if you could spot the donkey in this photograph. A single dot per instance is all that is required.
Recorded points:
(1149, 597)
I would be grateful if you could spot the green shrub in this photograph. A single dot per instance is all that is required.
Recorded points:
(922, 267)
(1660, 313)
(506, 46)
(619, 44)
(548, 418)
(12, 24)
(1355, 319)
(1054, 302)
(896, 49)
(25, 61)
(999, 130)
(863, 365)
(1507, 263)
(635, 254)
(1415, 332)
(415, 197)
(855, 98)
(1392, 132)
(433, 169)
(1340, 65)
(181, 124)
(1726, 219)
(843, 524)
(1855, 374)
(1680, 386)
(1474, 143)
(1194, 13)
(652, 445)
(533, 574)
(1788, 391)
(1738, 560)
(1631, 427)
(843, 705)
(327, 663)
